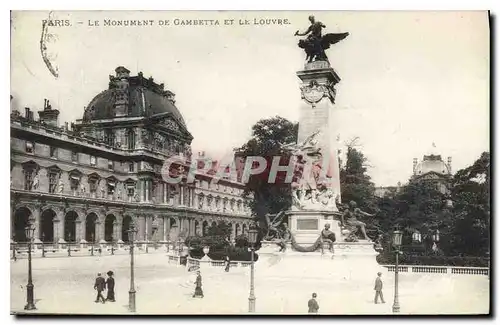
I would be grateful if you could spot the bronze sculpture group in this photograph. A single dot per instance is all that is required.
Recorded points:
(315, 44)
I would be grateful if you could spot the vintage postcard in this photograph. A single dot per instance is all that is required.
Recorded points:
(250, 163)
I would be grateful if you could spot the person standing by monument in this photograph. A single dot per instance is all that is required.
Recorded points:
(378, 288)
(313, 305)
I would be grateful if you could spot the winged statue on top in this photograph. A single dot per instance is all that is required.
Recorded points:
(315, 44)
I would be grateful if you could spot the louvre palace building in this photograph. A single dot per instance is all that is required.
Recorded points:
(89, 181)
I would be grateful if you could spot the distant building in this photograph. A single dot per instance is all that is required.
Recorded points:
(88, 182)
(433, 169)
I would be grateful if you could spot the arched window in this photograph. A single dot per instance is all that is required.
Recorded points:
(131, 139)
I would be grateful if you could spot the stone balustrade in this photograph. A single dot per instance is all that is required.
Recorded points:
(84, 248)
(191, 262)
(429, 269)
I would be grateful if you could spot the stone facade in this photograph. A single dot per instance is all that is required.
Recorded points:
(89, 183)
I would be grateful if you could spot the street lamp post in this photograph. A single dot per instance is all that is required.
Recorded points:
(131, 294)
(30, 233)
(92, 243)
(252, 239)
(146, 238)
(397, 237)
(180, 246)
(43, 244)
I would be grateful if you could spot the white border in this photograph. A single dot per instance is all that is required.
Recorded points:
(190, 5)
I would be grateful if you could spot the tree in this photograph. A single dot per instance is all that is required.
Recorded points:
(471, 199)
(268, 136)
(356, 185)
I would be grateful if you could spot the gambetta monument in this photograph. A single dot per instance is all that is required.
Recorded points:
(314, 228)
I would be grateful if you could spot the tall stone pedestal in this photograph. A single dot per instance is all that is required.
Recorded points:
(352, 263)
(307, 225)
(318, 92)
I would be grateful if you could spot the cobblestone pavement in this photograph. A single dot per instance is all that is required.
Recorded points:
(65, 285)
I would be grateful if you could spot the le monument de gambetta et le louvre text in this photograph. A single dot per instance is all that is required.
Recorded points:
(169, 22)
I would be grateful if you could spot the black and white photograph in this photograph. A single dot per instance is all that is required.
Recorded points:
(250, 163)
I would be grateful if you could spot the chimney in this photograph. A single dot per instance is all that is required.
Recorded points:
(66, 126)
(27, 112)
(449, 165)
(415, 162)
(48, 115)
(121, 82)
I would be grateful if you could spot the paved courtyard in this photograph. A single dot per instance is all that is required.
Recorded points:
(65, 285)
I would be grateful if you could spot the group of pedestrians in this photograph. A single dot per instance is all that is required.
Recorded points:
(102, 284)
(313, 305)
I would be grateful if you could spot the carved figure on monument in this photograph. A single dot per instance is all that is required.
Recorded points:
(272, 225)
(350, 219)
(285, 236)
(327, 198)
(327, 236)
(308, 167)
(82, 189)
(315, 44)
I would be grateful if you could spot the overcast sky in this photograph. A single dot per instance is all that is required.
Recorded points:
(408, 78)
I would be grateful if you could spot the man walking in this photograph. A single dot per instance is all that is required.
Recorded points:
(313, 304)
(99, 285)
(378, 288)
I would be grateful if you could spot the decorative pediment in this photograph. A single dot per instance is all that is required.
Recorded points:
(111, 180)
(54, 169)
(30, 164)
(75, 173)
(94, 176)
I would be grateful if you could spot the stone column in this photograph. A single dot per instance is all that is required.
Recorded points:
(79, 235)
(99, 231)
(141, 228)
(119, 230)
(38, 222)
(147, 228)
(165, 228)
(56, 226)
(195, 199)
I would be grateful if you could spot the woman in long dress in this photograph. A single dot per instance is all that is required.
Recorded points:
(110, 284)
(198, 292)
